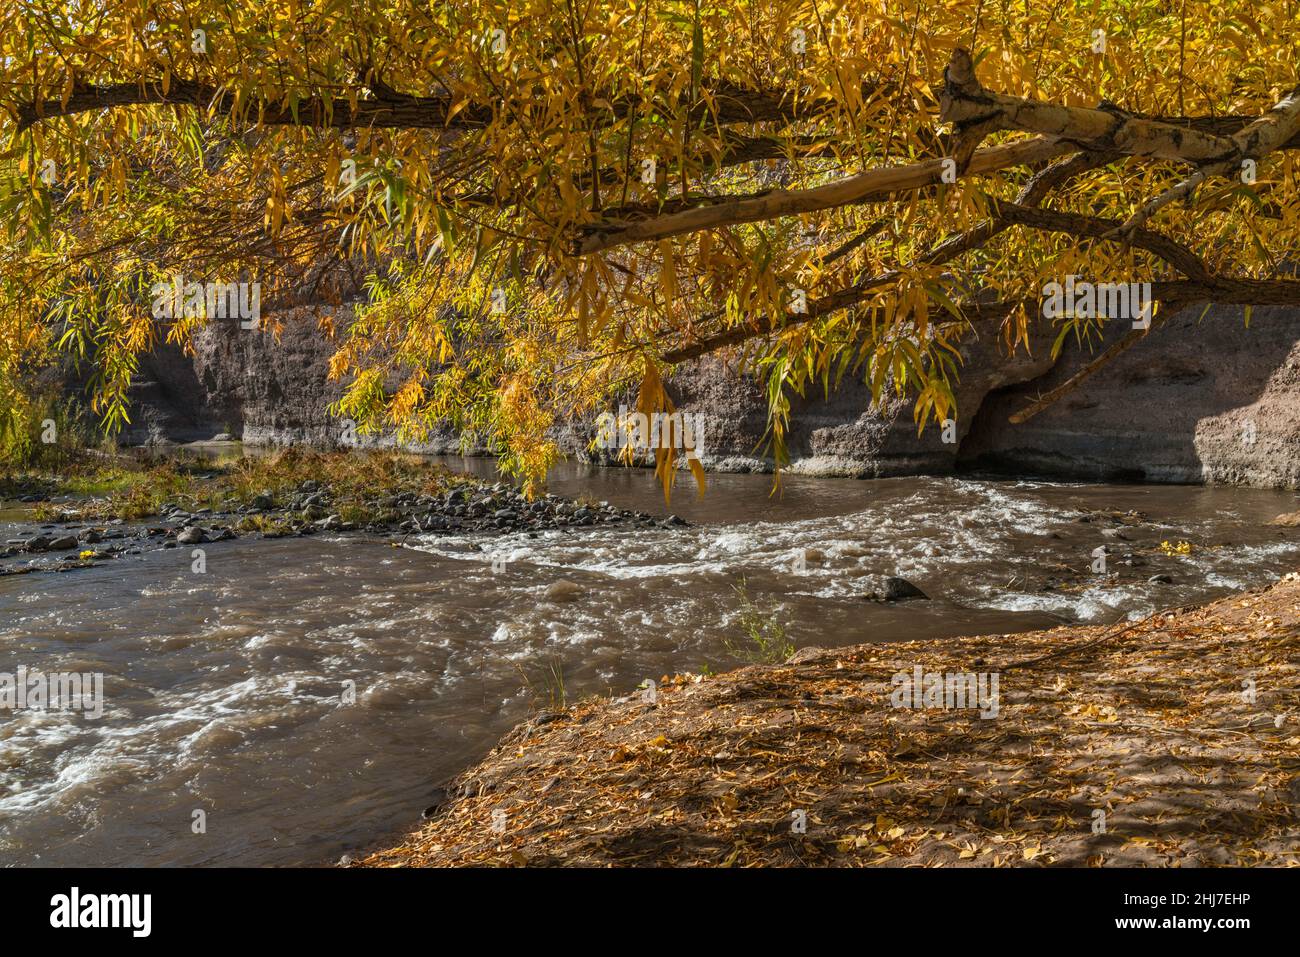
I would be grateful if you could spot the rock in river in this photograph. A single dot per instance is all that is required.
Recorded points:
(563, 590)
(893, 588)
(191, 536)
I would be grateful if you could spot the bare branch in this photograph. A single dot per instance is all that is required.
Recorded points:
(1049, 398)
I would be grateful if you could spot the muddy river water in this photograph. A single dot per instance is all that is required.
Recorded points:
(224, 691)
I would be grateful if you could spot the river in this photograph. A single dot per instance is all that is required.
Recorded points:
(225, 690)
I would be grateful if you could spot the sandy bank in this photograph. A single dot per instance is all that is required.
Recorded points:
(1174, 741)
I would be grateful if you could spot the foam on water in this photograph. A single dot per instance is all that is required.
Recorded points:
(224, 691)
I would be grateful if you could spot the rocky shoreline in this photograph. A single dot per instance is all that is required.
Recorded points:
(71, 539)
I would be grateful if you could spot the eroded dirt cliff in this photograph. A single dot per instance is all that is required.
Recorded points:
(1207, 398)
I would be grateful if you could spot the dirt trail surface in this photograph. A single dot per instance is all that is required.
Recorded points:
(1173, 741)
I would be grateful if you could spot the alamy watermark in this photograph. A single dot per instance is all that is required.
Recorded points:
(179, 299)
(946, 691)
(1099, 300)
(26, 690)
(658, 430)
(75, 909)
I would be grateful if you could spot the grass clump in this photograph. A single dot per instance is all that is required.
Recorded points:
(763, 640)
(42, 431)
(547, 690)
(269, 525)
(357, 482)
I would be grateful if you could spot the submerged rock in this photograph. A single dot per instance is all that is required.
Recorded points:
(893, 588)
(564, 590)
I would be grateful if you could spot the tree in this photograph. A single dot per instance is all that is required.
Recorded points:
(543, 202)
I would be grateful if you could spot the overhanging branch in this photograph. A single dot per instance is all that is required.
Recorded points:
(872, 186)
(724, 103)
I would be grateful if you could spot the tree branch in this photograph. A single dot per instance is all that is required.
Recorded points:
(724, 103)
(872, 186)
(1266, 134)
(968, 105)
(1171, 294)
(1129, 339)
(1034, 192)
(1175, 253)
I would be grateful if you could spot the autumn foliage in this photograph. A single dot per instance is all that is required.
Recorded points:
(537, 204)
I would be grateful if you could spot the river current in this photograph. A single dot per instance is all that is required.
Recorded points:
(228, 692)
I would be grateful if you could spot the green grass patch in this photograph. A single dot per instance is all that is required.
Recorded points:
(130, 490)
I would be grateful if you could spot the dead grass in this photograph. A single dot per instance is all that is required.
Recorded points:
(349, 475)
(1147, 723)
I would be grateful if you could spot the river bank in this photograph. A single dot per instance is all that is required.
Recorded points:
(1170, 741)
(114, 508)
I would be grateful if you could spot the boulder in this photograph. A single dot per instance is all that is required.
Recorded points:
(893, 588)
(193, 535)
